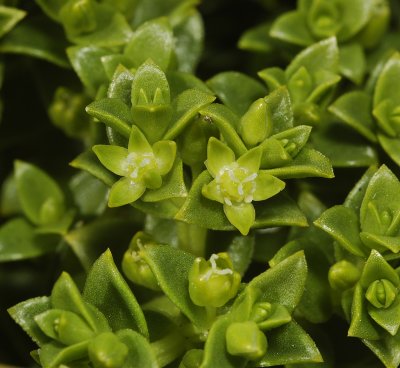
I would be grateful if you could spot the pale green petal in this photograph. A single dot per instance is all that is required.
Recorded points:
(164, 152)
(112, 157)
(267, 186)
(218, 156)
(242, 216)
(251, 159)
(212, 191)
(152, 179)
(138, 142)
(125, 191)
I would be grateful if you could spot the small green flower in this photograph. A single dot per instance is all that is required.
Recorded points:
(212, 283)
(140, 165)
(237, 183)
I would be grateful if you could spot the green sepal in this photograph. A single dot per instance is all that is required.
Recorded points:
(140, 353)
(24, 314)
(86, 61)
(125, 191)
(106, 289)
(342, 224)
(172, 276)
(279, 211)
(112, 157)
(39, 195)
(53, 354)
(292, 27)
(236, 90)
(152, 40)
(290, 344)
(352, 62)
(308, 163)
(19, 240)
(9, 18)
(185, 107)
(272, 282)
(112, 112)
(354, 109)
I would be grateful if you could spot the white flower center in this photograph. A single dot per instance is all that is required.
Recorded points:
(214, 270)
(136, 165)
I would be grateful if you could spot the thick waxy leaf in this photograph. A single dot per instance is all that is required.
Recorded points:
(284, 283)
(391, 146)
(292, 27)
(354, 109)
(51, 7)
(18, 241)
(112, 112)
(86, 61)
(40, 197)
(24, 314)
(152, 40)
(140, 353)
(279, 104)
(240, 251)
(317, 58)
(352, 62)
(227, 123)
(278, 211)
(385, 88)
(294, 139)
(236, 90)
(380, 212)
(54, 354)
(181, 81)
(387, 349)
(89, 162)
(171, 268)
(185, 107)
(342, 224)
(256, 39)
(9, 17)
(37, 38)
(307, 163)
(387, 318)
(189, 37)
(215, 352)
(106, 289)
(289, 344)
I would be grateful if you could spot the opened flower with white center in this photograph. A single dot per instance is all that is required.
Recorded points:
(140, 165)
(237, 183)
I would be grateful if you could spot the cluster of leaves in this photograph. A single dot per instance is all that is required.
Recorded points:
(215, 196)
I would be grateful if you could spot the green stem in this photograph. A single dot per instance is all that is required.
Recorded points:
(169, 348)
(192, 238)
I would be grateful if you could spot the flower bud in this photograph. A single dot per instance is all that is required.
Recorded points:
(343, 275)
(381, 293)
(106, 351)
(135, 267)
(246, 340)
(256, 124)
(212, 283)
(269, 316)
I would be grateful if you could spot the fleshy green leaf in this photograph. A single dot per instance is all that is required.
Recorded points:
(387, 318)
(9, 17)
(40, 196)
(112, 112)
(385, 88)
(391, 147)
(236, 90)
(256, 39)
(352, 62)
(342, 224)
(290, 344)
(354, 109)
(18, 241)
(108, 291)
(292, 27)
(284, 283)
(24, 314)
(152, 40)
(387, 349)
